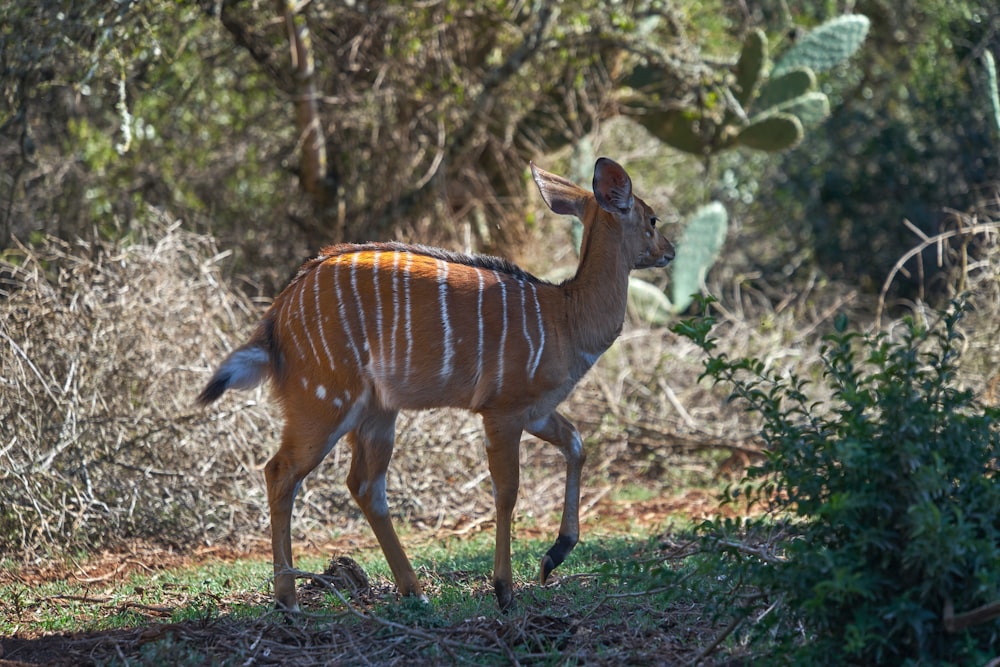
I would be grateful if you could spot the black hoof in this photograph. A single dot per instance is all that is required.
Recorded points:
(505, 596)
(556, 555)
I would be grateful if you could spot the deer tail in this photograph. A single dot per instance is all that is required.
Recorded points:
(248, 366)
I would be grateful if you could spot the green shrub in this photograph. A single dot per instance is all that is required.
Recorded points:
(887, 500)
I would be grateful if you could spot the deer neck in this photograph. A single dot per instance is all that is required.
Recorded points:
(598, 293)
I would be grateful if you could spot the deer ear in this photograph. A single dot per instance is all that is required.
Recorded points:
(561, 195)
(612, 186)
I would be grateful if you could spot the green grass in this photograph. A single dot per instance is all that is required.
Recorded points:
(616, 598)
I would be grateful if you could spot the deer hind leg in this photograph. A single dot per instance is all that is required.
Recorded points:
(557, 430)
(371, 450)
(303, 446)
(502, 451)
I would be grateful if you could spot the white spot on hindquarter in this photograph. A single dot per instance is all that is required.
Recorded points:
(449, 345)
(503, 331)
(321, 392)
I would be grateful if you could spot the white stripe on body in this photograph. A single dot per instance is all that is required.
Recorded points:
(380, 360)
(541, 333)
(319, 319)
(524, 325)
(479, 319)
(286, 316)
(302, 315)
(449, 344)
(408, 326)
(503, 331)
(395, 312)
(342, 311)
(357, 300)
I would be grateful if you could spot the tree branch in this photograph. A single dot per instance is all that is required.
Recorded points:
(956, 623)
(312, 170)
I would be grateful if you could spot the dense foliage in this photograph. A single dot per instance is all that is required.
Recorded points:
(913, 137)
(428, 114)
(888, 500)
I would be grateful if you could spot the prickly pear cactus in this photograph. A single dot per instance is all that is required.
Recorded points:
(697, 248)
(749, 68)
(827, 45)
(761, 109)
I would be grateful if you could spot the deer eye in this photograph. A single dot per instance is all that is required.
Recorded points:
(653, 220)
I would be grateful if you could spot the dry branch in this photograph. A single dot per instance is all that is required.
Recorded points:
(957, 622)
(926, 242)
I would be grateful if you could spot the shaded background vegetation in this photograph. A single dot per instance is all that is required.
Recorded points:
(429, 113)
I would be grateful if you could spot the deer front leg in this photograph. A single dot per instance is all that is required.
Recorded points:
(503, 441)
(557, 430)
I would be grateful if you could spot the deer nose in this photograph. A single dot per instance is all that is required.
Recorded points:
(667, 255)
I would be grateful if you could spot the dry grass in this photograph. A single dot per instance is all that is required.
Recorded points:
(103, 347)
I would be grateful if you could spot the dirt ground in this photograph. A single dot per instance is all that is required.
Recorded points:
(605, 517)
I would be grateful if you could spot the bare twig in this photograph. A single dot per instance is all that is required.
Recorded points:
(938, 239)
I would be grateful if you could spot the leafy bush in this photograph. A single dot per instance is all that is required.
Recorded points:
(888, 501)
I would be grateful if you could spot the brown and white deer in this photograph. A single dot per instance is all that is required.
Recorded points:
(364, 331)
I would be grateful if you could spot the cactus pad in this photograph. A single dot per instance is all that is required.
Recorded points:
(697, 248)
(676, 128)
(750, 66)
(811, 108)
(780, 89)
(827, 45)
(774, 132)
